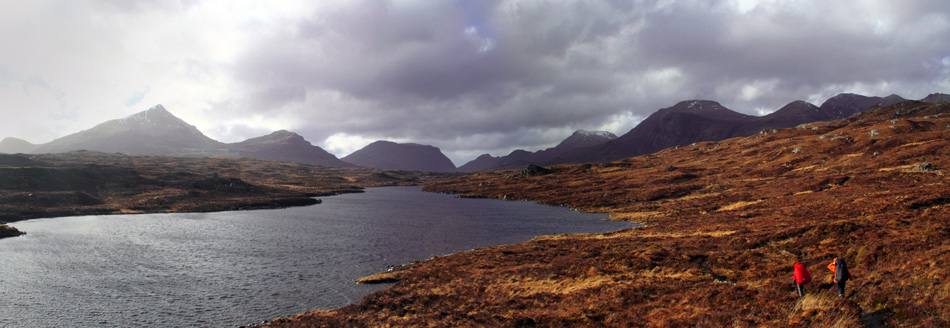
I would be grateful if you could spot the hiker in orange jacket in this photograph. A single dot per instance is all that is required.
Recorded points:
(839, 268)
(800, 277)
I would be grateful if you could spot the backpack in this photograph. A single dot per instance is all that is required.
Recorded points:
(801, 274)
(841, 270)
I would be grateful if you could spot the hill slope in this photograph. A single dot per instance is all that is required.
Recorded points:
(152, 132)
(286, 146)
(156, 131)
(725, 222)
(406, 156)
(16, 146)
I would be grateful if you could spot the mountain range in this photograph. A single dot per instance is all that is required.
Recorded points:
(157, 132)
(520, 158)
(694, 121)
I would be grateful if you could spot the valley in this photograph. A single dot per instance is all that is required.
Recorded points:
(725, 221)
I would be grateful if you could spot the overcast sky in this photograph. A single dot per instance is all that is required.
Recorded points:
(470, 77)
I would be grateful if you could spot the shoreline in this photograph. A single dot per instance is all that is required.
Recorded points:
(725, 222)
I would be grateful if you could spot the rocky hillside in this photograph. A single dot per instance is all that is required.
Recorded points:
(401, 156)
(725, 222)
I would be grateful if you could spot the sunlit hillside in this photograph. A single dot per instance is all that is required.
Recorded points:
(725, 222)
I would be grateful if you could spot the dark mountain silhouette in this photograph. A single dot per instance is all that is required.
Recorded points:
(847, 104)
(151, 132)
(694, 121)
(401, 156)
(684, 123)
(934, 98)
(520, 158)
(11, 145)
(286, 146)
(796, 111)
(890, 100)
(582, 138)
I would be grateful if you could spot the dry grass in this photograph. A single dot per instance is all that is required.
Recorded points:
(725, 222)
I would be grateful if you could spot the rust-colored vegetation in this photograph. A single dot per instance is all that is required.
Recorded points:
(83, 182)
(725, 221)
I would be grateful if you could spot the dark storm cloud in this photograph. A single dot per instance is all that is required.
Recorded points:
(455, 71)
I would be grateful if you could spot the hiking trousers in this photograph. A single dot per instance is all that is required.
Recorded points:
(840, 286)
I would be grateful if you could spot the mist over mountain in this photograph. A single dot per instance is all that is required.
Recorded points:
(401, 156)
(11, 145)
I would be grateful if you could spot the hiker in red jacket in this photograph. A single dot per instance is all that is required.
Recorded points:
(800, 277)
(841, 274)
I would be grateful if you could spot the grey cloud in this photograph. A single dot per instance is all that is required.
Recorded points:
(412, 72)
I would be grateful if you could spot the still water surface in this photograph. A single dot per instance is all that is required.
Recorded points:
(235, 268)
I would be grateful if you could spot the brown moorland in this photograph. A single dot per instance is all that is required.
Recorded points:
(725, 221)
(86, 183)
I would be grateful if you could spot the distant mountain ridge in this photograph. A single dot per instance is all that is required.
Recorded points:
(520, 158)
(401, 156)
(156, 131)
(693, 121)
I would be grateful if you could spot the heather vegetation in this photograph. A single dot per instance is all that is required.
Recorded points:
(725, 222)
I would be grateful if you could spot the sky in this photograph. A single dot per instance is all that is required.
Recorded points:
(470, 77)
